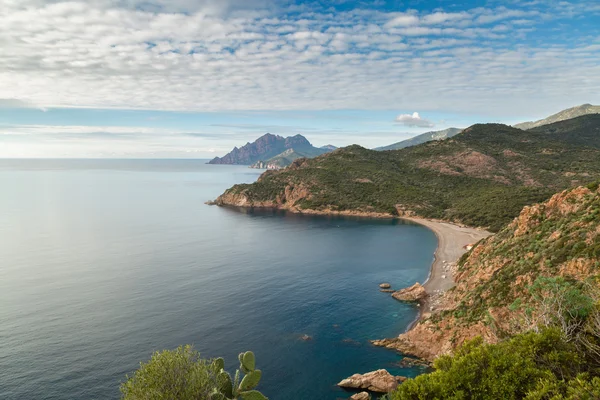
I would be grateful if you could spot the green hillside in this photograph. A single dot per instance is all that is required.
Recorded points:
(481, 177)
(532, 292)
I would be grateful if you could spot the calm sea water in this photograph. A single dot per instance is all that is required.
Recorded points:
(103, 262)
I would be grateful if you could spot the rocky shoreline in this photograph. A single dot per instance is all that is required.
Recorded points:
(453, 241)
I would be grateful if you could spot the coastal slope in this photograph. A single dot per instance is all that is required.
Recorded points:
(550, 249)
(482, 177)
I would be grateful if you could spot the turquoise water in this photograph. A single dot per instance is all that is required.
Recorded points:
(104, 261)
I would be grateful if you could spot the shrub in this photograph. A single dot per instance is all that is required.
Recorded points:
(508, 370)
(182, 375)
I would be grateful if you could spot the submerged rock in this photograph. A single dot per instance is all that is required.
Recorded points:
(414, 293)
(361, 396)
(306, 338)
(379, 381)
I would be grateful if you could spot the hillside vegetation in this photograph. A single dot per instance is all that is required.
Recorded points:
(541, 270)
(481, 177)
(532, 293)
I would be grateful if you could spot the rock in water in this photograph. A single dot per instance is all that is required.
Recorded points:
(414, 293)
(379, 381)
(385, 286)
(361, 396)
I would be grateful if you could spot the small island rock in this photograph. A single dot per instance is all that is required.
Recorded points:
(385, 286)
(361, 396)
(379, 381)
(414, 293)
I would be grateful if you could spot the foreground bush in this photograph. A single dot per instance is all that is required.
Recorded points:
(532, 366)
(182, 375)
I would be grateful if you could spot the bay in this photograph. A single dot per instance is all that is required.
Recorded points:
(103, 262)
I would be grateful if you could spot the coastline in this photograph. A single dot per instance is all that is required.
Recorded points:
(452, 242)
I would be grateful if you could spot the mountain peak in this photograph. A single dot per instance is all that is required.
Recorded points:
(263, 148)
(563, 115)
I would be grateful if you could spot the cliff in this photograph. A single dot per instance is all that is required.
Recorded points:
(550, 249)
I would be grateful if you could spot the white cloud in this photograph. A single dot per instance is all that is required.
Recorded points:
(414, 120)
(229, 56)
(441, 17)
(403, 20)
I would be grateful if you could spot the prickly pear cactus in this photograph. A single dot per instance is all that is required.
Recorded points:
(233, 389)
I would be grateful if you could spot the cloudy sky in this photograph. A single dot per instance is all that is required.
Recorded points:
(193, 78)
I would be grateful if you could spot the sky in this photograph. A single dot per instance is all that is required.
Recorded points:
(194, 78)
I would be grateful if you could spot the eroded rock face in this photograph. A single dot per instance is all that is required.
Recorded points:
(380, 381)
(361, 396)
(414, 293)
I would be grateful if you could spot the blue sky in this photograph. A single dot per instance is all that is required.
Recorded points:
(193, 78)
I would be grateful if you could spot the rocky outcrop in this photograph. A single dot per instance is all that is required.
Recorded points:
(385, 286)
(414, 293)
(380, 381)
(428, 340)
(361, 396)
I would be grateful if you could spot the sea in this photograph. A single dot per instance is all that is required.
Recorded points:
(103, 262)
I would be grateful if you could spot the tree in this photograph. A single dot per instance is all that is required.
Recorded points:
(181, 374)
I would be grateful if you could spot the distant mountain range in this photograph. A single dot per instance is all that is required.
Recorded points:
(272, 151)
(425, 137)
(563, 115)
(329, 147)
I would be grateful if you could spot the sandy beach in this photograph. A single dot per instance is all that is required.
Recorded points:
(452, 242)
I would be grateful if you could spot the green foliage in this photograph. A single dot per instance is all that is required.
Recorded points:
(182, 375)
(581, 388)
(172, 375)
(567, 297)
(434, 180)
(552, 239)
(514, 369)
(234, 389)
